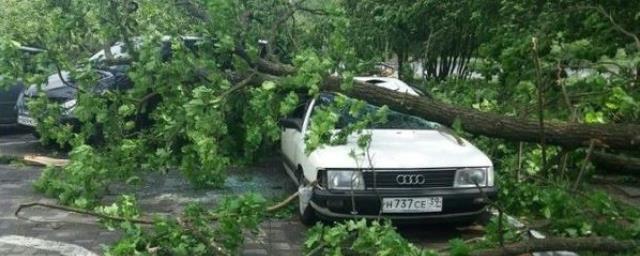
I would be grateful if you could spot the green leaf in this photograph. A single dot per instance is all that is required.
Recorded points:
(268, 85)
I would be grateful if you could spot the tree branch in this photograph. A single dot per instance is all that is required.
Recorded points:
(616, 163)
(599, 244)
(193, 9)
(584, 165)
(285, 202)
(80, 211)
(21, 207)
(615, 25)
(566, 134)
(266, 66)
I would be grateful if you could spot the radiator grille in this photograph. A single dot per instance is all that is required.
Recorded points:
(432, 178)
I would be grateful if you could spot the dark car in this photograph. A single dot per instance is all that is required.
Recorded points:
(9, 94)
(8, 112)
(60, 88)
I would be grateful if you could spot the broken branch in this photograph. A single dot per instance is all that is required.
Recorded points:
(116, 218)
(593, 244)
(283, 203)
(76, 210)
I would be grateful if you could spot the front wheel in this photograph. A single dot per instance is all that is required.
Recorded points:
(307, 213)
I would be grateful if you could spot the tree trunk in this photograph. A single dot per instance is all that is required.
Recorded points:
(600, 244)
(614, 136)
(612, 163)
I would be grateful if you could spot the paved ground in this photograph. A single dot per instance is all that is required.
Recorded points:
(18, 142)
(49, 232)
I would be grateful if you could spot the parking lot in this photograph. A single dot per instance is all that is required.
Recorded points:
(51, 232)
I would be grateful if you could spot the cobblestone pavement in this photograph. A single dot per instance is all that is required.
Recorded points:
(18, 143)
(46, 226)
(275, 237)
(51, 232)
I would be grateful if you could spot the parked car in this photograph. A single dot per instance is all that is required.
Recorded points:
(60, 89)
(112, 75)
(418, 172)
(8, 112)
(9, 95)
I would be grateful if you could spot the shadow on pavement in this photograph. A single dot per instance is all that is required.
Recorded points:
(437, 236)
(18, 141)
(13, 129)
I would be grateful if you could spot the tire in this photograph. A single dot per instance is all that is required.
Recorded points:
(35, 134)
(307, 215)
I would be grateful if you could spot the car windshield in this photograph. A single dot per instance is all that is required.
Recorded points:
(393, 120)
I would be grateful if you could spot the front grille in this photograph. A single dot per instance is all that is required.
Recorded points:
(440, 178)
(55, 100)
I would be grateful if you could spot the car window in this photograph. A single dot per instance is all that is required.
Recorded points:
(394, 119)
(299, 111)
(103, 74)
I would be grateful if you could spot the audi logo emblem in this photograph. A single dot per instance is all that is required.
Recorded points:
(411, 179)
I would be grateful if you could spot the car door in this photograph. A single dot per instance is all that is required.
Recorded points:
(291, 137)
(298, 145)
(8, 98)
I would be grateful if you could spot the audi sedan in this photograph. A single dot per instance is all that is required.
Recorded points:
(413, 170)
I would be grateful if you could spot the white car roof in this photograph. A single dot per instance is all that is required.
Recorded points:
(116, 50)
(389, 83)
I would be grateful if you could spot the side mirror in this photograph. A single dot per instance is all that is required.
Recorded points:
(291, 123)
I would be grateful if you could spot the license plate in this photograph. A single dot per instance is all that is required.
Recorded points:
(28, 121)
(411, 204)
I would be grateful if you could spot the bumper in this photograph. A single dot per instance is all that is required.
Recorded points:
(25, 119)
(458, 204)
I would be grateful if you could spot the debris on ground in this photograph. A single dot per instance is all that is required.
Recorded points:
(45, 161)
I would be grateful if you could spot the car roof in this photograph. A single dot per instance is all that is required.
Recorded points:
(389, 83)
(118, 48)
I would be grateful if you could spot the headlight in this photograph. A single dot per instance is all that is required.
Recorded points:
(490, 177)
(468, 177)
(345, 180)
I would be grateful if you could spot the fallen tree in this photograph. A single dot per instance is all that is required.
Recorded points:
(592, 244)
(566, 134)
(617, 136)
(612, 163)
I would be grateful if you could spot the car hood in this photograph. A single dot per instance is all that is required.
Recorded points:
(401, 149)
(54, 88)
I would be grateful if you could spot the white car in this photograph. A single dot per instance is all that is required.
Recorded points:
(414, 170)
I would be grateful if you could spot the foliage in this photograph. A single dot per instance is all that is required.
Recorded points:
(360, 238)
(193, 233)
(327, 117)
(589, 213)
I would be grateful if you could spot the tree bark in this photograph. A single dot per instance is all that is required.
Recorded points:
(612, 163)
(614, 136)
(600, 244)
